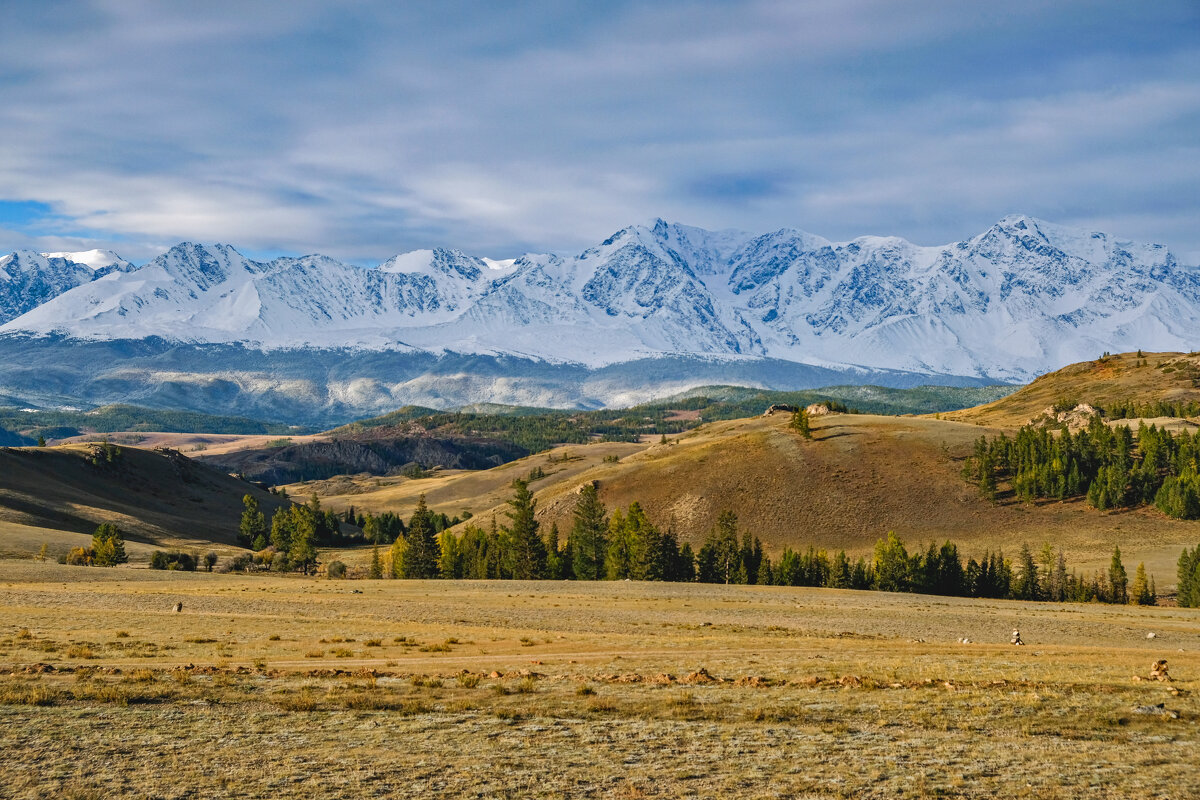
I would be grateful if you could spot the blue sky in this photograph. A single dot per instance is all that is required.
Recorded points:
(364, 129)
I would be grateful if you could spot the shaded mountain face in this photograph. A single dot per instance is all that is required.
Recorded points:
(29, 279)
(1022, 298)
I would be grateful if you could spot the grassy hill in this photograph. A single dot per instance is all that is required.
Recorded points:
(860, 477)
(158, 499)
(1143, 378)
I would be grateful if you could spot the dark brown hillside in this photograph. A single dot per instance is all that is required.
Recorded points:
(155, 497)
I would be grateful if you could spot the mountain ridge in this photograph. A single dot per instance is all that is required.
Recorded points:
(1020, 299)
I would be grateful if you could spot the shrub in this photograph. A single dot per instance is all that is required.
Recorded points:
(160, 559)
(336, 570)
(79, 557)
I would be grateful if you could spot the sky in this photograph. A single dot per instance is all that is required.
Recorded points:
(364, 129)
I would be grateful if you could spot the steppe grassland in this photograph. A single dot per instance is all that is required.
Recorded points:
(287, 687)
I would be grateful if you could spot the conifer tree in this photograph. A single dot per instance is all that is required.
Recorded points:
(554, 558)
(1057, 587)
(422, 553)
(1139, 592)
(1188, 575)
(800, 422)
(450, 563)
(891, 564)
(376, 571)
(1118, 579)
(1025, 587)
(302, 549)
(619, 551)
(253, 526)
(528, 550)
(587, 540)
(108, 548)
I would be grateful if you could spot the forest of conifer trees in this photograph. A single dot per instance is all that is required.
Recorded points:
(1109, 466)
(626, 544)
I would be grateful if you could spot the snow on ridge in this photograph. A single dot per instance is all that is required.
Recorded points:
(1010, 302)
(93, 259)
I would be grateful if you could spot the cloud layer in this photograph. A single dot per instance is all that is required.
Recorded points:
(364, 129)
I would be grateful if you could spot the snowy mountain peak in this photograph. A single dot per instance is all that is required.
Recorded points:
(1023, 297)
(94, 260)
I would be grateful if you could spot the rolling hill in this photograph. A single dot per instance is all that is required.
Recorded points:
(860, 477)
(1139, 378)
(159, 499)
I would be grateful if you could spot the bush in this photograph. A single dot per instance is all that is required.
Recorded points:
(79, 557)
(160, 559)
(241, 563)
(336, 570)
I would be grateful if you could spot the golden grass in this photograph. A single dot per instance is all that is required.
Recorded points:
(803, 692)
(1124, 376)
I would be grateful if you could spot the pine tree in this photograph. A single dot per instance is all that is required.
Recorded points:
(528, 550)
(108, 548)
(1118, 579)
(253, 525)
(891, 564)
(396, 554)
(376, 571)
(1025, 587)
(421, 556)
(41, 442)
(450, 562)
(587, 540)
(1139, 592)
(618, 559)
(1188, 585)
(800, 422)
(554, 558)
(302, 549)
(1057, 588)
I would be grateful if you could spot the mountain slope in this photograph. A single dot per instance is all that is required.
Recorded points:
(29, 280)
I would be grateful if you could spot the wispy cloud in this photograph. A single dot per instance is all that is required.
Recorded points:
(368, 128)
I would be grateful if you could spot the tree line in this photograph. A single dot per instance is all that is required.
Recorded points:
(1109, 466)
(626, 544)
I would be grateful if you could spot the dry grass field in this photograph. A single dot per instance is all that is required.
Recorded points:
(1122, 377)
(280, 687)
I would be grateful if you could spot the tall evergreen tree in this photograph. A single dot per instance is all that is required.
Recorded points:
(422, 554)
(1188, 575)
(587, 540)
(801, 423)
(376, 570)
(1026, 587)
(108, 548)
(528, 550)
(302, 549)
(1118, 579)
(891, 564)
(253, 528)
(1139, 592)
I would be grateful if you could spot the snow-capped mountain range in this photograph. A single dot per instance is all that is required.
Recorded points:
(1021, 298)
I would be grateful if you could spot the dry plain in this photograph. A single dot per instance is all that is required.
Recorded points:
(294, 687)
